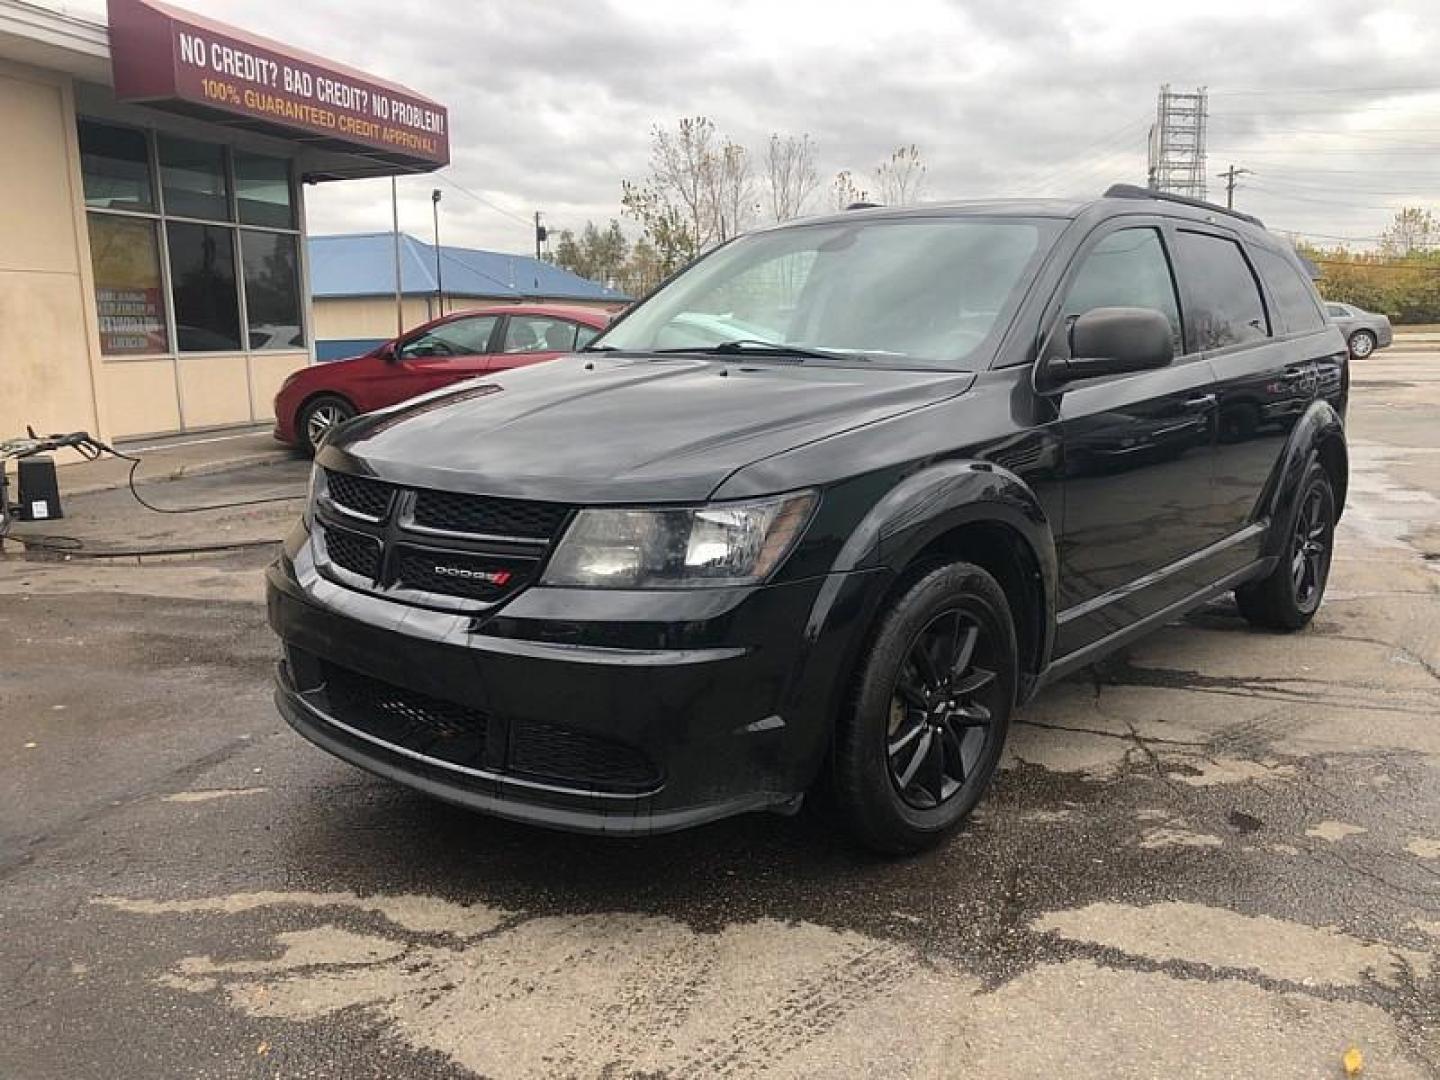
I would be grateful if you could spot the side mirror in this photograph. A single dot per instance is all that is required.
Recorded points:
(1112, 341)
(388, 352)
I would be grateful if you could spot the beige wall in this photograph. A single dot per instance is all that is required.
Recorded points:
(374, 316)
(267, 372)
(51, 371)
(366, 317)
(140, 397)
(47, 327)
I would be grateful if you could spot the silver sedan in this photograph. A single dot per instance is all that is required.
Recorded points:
(1364, 330)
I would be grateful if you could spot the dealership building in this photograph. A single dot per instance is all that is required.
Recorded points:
(153, 268)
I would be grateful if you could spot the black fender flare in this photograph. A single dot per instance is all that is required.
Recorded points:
(1319, 431)
(921, 508)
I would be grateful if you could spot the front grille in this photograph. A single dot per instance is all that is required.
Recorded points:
(358, 494)
(416, 568)
(396, 538)
(547, 752)
(354, 552)
(454, 512)
(427, 725)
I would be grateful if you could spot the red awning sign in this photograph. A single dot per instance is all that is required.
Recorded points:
(172, 58)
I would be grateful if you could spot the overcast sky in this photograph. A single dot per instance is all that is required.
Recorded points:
(1335, 104)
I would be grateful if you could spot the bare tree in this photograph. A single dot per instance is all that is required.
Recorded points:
(790, 175)
(845, 192)
(700, 191)
(681, 164)
(730, 187)
(1414, 229)
(900, 179)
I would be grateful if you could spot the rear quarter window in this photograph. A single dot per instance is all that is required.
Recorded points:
(1295, 300)
(1224, 306)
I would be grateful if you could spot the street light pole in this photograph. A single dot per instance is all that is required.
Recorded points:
(395, 224)
(439, 279)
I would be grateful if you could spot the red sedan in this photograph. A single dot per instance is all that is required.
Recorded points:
(448, 350)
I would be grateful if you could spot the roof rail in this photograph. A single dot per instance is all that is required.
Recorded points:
(1133, 191)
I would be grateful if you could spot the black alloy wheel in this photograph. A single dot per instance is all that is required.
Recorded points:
(941, 710)
(1288, 597)
(1310, 548)
(922, 739)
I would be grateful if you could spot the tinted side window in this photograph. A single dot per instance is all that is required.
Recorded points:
(1225, 304)
(463, 337)
(538, 333)
(1336, 311)
(1126, 269)
(1292, 294)
(584, 335)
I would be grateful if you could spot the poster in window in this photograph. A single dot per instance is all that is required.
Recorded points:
(129, 299)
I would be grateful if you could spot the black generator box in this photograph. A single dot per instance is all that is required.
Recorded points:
(39, 489)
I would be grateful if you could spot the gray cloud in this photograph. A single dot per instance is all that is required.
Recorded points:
(552, 103)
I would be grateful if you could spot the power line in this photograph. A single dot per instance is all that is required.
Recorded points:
(1276, 92)
(1429, 190)
(1091, 151)
(1310, 199)
(481, 199)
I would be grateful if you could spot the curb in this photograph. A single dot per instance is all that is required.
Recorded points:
(176, 472)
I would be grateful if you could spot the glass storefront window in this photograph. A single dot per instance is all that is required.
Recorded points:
(202, 281)
(272, 290)
(115, 165)
(129, 293)
(262, 191)
(181, 217)
(192, 179)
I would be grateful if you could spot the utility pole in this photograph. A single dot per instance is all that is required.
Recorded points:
(395, 223)
(439, 279)
(541, 235)
(1230, 175)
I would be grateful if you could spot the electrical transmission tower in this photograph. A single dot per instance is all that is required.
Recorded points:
(1177, 143)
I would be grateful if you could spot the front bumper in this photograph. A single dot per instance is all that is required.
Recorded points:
(733, 717)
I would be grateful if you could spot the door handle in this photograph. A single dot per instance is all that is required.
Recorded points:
(1202, 401)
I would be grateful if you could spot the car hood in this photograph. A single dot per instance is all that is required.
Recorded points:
(624, 429)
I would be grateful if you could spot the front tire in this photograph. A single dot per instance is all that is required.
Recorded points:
(1289, 596)
(922, 738)
(1362, 344)
(318, 418)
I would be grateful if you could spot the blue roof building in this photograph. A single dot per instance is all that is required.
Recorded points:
(352, 286)
(363, 264)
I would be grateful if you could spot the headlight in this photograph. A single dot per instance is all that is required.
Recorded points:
(705, 546)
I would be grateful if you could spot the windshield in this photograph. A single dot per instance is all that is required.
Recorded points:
(916, 291)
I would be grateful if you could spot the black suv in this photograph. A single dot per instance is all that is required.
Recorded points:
(825, 508)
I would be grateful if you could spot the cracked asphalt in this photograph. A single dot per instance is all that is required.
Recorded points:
(1216, 855)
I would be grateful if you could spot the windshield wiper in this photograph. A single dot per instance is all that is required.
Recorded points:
(757, 347)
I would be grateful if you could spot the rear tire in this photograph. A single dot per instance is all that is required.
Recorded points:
(1362, 344)
(921, 739)
(316, 420)
(1289, 596)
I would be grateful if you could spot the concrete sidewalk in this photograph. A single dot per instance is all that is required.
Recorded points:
(172, 457)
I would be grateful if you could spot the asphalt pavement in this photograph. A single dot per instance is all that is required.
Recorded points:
(1218, 855)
